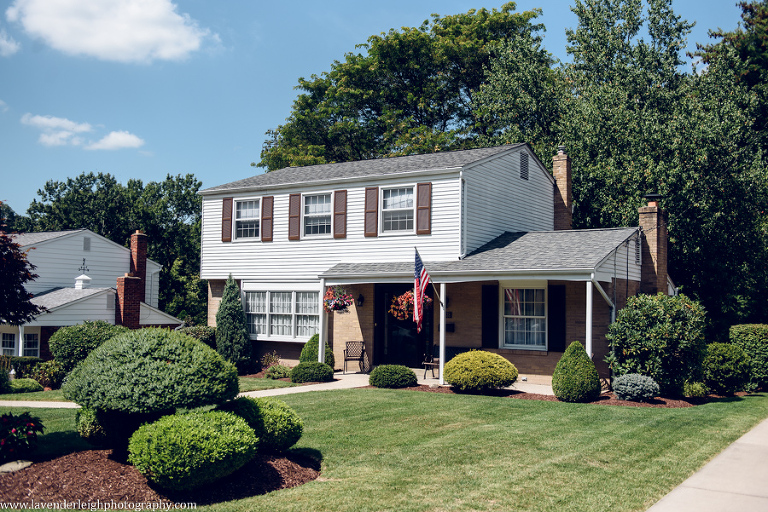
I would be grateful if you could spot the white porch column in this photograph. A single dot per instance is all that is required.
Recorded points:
(322, 327)
(20, 345)
(588, 335)
(443, 298)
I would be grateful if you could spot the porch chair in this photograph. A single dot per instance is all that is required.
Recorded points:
(355, 351)
(430, 363)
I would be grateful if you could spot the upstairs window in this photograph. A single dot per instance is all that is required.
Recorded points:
(317, 214)
(397, 210)
(247, 219)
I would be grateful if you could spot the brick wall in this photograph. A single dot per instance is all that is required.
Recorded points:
(215, 292)
(464, 305)
(356, 324)
(563, 196)
(128, 303)
(138, 266)
(654, 250)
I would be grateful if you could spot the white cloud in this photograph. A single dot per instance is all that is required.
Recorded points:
(56, 131)
(7, 45)
(114, 30)
(117, 140)
(3, 106)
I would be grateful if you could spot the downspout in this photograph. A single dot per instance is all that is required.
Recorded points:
(588, 329)
(462, 218)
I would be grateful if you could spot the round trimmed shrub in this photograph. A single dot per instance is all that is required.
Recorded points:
(726, 368)
(203, 333)
(753, 339)
(70, 345)
(478, 370)
(635, 387)
(661, 337)
(392, 376)
(312, 372)
(50, 374)
(309, 353)
(575, 377)
(695, 389)
(276, 424)
(278, 371)
(89, 428)
(181, 452)
(25, 386)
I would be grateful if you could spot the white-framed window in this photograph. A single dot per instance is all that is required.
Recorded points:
(247, 219)
(9, 344)
(282, 315)
(317, 214)
(524, 317)
(397, 210)
(31, 345)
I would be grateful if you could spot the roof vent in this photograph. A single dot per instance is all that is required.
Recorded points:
(82, 281)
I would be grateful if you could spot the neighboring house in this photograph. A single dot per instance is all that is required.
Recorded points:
(84, 276)
(492, 226)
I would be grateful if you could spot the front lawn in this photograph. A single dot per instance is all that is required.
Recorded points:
(415, 451)
(257, 384)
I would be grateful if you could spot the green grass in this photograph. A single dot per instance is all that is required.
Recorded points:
(412, 451)
(38, 396)
(257, 384)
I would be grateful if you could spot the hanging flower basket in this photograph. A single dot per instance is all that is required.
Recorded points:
(337, 299)
(402, 306)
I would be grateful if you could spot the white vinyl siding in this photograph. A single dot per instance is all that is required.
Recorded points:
(317, 214)
(247, 219)
(621, 263)
(282, 315)
(397, 210)
(9, 344)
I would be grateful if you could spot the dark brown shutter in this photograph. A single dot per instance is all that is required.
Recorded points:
(226, 219)
(556, 318)
(294, 217)
(267, 205)
(372, 211)
(489, 315)
(424, 208)
(340, 214)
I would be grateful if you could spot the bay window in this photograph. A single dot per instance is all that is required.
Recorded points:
(282, 315)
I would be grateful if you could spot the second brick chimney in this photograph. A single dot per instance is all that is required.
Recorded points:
(128, 306)
(139, 259)
(653, 222)
(561, 171)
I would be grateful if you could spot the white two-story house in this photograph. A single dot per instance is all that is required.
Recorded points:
(492, 225)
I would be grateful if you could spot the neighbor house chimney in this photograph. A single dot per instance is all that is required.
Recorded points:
(139, 259)
(128, 307)
(561, 170)
(653, 223)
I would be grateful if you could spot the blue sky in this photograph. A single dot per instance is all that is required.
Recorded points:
(145, 88)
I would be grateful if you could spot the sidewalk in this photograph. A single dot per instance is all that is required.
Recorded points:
(734, 480)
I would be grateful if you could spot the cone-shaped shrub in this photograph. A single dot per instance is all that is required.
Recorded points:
(575, 377)
(232, 340)
(310, 352)
(478, 370)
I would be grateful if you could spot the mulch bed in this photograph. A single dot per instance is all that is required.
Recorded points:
(92, 475)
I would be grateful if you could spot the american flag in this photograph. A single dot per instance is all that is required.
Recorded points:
(420, 283)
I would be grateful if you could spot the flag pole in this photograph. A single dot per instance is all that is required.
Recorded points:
(439, 300)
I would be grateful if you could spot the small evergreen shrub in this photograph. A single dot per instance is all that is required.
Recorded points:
(277, 425)
(278, 371)
(392, 376)
(50, 374)
(661, 337)
(18, 435)
(478, 370)
(204, 333)
(635, 387)
(269, 360)
(70, 345)
(25, 386)
(726, 368)
(89, 428)
(695, 389)
(753, 339)
(181, 452)
(309, 353)
(575, 377)
(311, 372)
(232, 339)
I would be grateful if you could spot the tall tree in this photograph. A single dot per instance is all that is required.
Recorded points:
(167, 211)
(15, 270)
(411, 91)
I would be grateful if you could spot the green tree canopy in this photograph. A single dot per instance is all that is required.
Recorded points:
(15, 270)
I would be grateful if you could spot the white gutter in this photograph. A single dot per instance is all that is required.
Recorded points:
(462, 216)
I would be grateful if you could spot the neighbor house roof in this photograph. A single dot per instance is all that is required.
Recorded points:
(511, 253)
(25, 239)
(58, 297)
(363, 168)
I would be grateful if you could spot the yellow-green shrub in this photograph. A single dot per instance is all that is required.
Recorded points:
(478, 370)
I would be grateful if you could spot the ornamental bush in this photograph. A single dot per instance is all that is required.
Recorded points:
(22, 366)
(89, 427)
(203, 333)
(18, 435)
(726, 368)
(392, 376)
(661, 337)
(70, 345)
(309, 352)
(575, 377)
(232, 339)
(25, 386)
(50, 374)
(278, 371)
(276, 424)
(695, 389)
(635, 387)
(269, 360)
(478, 370)
(185, 451)
(311, 372)
(753, 339)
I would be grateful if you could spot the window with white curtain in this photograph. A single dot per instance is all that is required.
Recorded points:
(525, 319)
(397, 209)
(282, 314)
(317, 214)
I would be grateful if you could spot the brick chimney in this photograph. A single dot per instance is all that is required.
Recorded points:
(128, 306)
(561, 170)
(139, 259)
(653, 223)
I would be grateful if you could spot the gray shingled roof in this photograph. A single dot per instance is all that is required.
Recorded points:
(363, 168)
(61, 296)
(25, 239)
(529, 252)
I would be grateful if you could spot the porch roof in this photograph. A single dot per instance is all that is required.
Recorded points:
(564, 255)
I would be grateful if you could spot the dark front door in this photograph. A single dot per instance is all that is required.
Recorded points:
(396, 341)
